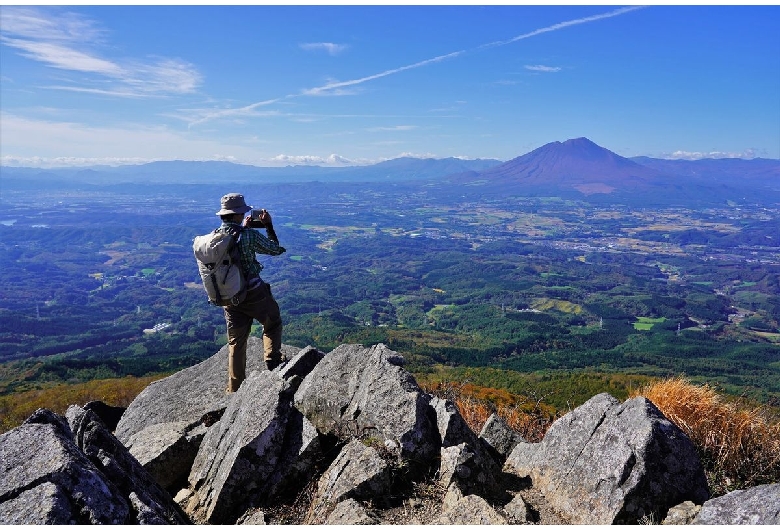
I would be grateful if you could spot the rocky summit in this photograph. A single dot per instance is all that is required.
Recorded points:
(348, 437)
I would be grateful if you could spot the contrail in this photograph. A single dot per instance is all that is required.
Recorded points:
(561, 25)
(324, 89)
(226, 113)
(341, 84)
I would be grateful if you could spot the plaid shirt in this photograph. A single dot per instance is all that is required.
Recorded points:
(253, 242)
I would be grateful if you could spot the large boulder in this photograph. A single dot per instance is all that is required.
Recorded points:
(465, 459)
(46, 479)
(757, 505)
(245, 456)
(350, 512)
(471, 510)
(499, 437)
(358, 472)
(167, 450)
(165, 424)
(193, 395)
(356, 391)
(149, 503)
(607, 462)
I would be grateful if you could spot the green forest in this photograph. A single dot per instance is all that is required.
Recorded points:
(539, 296)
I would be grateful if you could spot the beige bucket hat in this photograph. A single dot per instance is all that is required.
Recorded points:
(233, 203)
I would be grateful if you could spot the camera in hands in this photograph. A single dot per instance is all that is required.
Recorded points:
(255, 221)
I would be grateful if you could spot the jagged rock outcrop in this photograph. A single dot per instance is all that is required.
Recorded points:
(471, 510)
(499, 437)
(165, 425)
(352, 432)
(359, 472)
(55, 474)
(108, 414)
(683, 513)
(150, 503)
(260, 444)
(757, 505)
(364, 392)
(465, 459)
(607, 462)
(350, 511)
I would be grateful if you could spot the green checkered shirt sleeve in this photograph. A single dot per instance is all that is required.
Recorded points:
(253, 242)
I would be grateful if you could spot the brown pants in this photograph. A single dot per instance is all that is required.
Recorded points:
(259, 305)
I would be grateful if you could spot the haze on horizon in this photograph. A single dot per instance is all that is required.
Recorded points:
(346, 85)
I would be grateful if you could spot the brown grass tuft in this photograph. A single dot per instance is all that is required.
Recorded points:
(739, 444)
(17, 407)
(528, 417)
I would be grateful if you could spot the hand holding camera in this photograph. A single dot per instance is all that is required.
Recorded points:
(258, 219)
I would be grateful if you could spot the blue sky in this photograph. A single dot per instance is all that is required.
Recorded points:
(335, 85)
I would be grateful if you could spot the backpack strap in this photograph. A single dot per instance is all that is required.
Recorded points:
(236, 231)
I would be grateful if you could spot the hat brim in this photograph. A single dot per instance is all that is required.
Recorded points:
(241, 210)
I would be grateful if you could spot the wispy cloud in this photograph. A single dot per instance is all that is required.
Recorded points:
(197, 116)
(393, 128)
(347, 87)
(336, 85)
(542, 68)
(563, 25)
(67, 41)
(311, 160)
(700, 155)
(64, 57)
(330, 47)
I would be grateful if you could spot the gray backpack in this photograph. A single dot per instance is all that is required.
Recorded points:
(219, 264)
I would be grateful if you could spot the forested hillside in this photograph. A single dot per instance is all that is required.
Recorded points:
(556, 297)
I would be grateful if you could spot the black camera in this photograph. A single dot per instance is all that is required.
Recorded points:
(255, 221)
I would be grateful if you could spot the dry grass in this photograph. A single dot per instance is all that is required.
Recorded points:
(529, 417)
(15, 408)
(739, 444)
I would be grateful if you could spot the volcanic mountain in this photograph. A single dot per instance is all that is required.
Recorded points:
(577, 164)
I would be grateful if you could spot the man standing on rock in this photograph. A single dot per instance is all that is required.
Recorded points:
(259, 304)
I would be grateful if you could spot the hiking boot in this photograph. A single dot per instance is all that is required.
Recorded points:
(272, 364)
(275, 363)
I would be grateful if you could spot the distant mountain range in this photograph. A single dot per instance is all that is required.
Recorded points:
(576, 168)
(579, 168)
(184, 172)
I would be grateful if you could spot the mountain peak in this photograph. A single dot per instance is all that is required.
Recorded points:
(575, 164)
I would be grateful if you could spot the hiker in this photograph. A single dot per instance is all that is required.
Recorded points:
(259, 303)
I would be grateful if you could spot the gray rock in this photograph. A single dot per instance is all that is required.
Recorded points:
(607, 462)
(757, 505)
(46, 479)
(302, 363)
(358, 472)
(167, 450)
(452, 497)
(517, 511)
(356, 391)
(464, 458)
(471, 510)
(195, 395)
(47, 503)
(453, 429)
(165, 424)
(150, 504)
(301, 452)
(108, 414)
(252, 517)
(350, 512)
(243, 457)
(499, 436)
(453, 467)
(683, 513)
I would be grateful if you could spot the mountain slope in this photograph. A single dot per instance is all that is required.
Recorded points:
(580, 169)
(577, 164)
